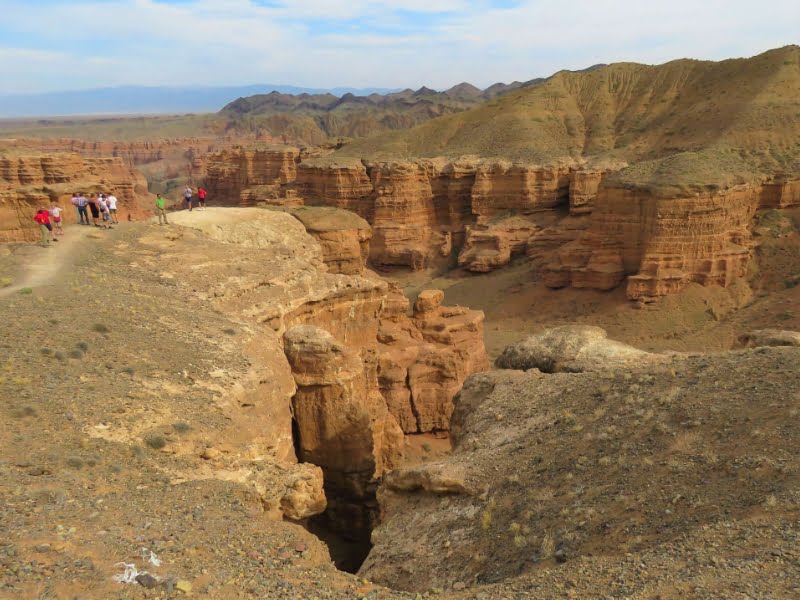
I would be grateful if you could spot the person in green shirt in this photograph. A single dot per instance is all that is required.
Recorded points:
(161, 209)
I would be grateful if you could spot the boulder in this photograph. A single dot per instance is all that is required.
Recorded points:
(571, 348)
(768, 337)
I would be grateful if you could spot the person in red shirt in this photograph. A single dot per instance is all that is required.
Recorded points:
(201, 199)
(42, 217)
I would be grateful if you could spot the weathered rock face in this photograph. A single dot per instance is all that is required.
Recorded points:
(488, 247)
(343, 236)
(424, 359)
(346, 186)
(343, 424)
(404, 217)
(768, 337)
(364, 370)
(241, 177)
(500, 187)
(30, 182)
(583, 187)
(572, 349)
(660, 244)
(418, 209)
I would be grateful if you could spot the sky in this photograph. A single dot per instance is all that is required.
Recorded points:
(51, 45)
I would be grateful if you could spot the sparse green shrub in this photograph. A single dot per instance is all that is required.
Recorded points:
(100, 328)
(83, 346)
(74, 462)
(229, 331)
(59, 355)
(156, 441)
(6, 281)
(25, 411)
(45, 351)
(25, 291)
(426, 447)
(129, 370)
(76, 354)
(181, 427)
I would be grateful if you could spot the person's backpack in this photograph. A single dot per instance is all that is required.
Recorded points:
(41, 218)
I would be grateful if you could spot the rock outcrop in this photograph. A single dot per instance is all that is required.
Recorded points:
(768, 337)
(31, 181)
(343, 236)
(364, 370)
(418, 209)
(550, 474)
(424, 359)
(249, 175)
(572, 349)
(661, 244)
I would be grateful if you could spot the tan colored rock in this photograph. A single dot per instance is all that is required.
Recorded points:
(404, 218)
(424, 359)
(660, 244)
(343, 236)
(583, 187)
(428, 301)
(768, 337)
(488, 247)
(241, 177)
(346, 186)
(573, 349)
(502, 186)
(432, 478)
(342, 420)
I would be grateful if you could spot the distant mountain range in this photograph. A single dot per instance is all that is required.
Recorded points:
(316, 118)
(148, 100)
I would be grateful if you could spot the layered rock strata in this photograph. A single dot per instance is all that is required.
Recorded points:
(661, 244)
(364, 371)
(30, 182)
(343, 236)
(250, 175)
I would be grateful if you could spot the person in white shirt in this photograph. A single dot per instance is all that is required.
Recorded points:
(111, 202)
(187, 197)
(55, 217)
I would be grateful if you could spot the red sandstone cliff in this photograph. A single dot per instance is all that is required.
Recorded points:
(28, 182)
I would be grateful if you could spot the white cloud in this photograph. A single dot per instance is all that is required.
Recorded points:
(396, 43)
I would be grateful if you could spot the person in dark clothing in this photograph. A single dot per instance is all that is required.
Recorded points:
(94, 209)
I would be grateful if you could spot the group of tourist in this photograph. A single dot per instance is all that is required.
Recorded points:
(98, 206)
(102, 208)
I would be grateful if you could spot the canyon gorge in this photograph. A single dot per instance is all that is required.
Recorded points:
(539, 343)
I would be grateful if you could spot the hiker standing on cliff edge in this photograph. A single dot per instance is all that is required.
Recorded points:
(187, 196)
(161, 210)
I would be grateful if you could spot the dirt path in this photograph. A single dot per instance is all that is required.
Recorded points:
(40, 266)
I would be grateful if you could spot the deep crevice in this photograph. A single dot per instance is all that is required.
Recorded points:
(346, 524)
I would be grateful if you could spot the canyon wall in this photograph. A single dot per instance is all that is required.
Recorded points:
(659, 245)
(579, 230)
(32, 181)
(365, 371)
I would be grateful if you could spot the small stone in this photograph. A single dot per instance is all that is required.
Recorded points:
(184, 586)
(146, 580)
(210, 454)
(42, 548)
(299, 547)
(561, 556)
(459, 585)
